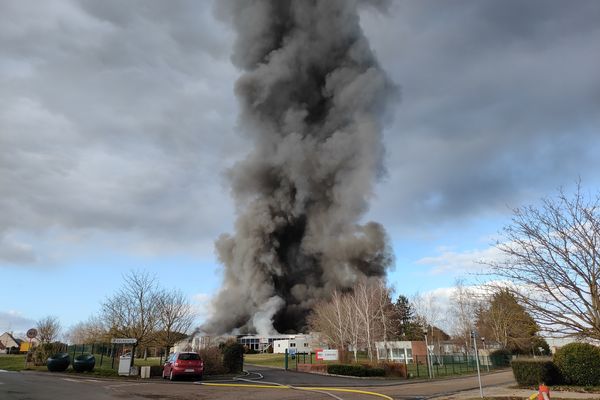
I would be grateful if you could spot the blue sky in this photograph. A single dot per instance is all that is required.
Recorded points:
(118, 122)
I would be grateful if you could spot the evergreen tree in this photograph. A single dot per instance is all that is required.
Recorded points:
(507, 323)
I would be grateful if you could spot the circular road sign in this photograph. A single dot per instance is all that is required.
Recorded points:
(32, 333)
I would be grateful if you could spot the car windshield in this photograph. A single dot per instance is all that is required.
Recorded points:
(189, 356)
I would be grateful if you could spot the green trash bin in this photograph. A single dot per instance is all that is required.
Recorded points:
(58, 362)
(84, 362)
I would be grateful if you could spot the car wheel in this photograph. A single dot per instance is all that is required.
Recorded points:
(171, 377)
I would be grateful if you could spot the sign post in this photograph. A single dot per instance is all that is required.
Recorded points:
(31, 334)
(122, 359)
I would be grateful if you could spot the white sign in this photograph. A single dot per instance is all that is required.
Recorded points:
(123, 341)
(327, 355)
(292, 351)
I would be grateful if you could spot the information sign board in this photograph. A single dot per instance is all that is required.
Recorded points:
(123, 341)
(327, 355)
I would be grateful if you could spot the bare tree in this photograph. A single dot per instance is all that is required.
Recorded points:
(48, 329)
(365, 307)
(358, 318)
(330, 319)
(462, 313)
(90, 331)
(552, 258)
(428, 311)
(175, 317)
(133, 311)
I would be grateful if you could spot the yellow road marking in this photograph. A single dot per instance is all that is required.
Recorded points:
(300, 388)
(246, 385)
(348, 391)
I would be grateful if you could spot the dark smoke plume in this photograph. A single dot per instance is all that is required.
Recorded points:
(312, 97)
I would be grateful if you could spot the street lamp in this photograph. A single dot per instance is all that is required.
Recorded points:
(474, 336)
(429, 366)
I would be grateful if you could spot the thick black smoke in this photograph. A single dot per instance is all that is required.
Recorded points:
(312, 97)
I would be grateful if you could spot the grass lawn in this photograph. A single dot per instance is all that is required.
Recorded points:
(266, 360)
(416, 370)
(16, 362)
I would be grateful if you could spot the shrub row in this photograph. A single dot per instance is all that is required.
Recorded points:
(354, 370)
(533, 372)
(573, 364)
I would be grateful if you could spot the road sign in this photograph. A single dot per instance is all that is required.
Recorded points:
(32, 333)
(123, 341)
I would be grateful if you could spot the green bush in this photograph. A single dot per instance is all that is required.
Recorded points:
(45, 350)
(233, 357)
(534, 372)
(347, 369)
(500, 357)
(375, 371)
(579, 364)
(393, 369)
(354, 370)
(213, 361)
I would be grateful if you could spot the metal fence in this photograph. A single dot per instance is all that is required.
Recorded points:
(421, 366)
(107, 355)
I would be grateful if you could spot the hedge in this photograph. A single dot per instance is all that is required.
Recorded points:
(233, 357)
(534, 372)
(354, 370)
(500, 358)
(579, 364)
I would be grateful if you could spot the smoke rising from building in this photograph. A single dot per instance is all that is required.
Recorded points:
(312, 100)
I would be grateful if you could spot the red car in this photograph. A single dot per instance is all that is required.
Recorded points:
(183, 364)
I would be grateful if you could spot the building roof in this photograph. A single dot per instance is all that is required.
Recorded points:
(8, 340)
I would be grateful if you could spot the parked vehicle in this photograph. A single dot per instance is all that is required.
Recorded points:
(185, 363)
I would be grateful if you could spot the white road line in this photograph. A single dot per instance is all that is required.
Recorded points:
(71, 380)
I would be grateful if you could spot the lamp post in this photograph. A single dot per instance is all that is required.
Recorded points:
(474, 336)
(429, 369)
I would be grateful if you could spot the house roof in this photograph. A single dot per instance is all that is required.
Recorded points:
(8, 340)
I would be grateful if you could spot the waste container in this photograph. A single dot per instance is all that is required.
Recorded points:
(84, 362)
(58, 362)
(124, 364)
(145, 372)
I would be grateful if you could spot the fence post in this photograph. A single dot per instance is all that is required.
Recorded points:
(417, 362)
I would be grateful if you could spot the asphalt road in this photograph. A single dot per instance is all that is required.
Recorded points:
(50, 386)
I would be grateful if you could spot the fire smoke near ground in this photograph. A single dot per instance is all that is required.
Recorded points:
(312, 97)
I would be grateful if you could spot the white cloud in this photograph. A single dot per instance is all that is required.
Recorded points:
(16, 322)
(448, 261)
